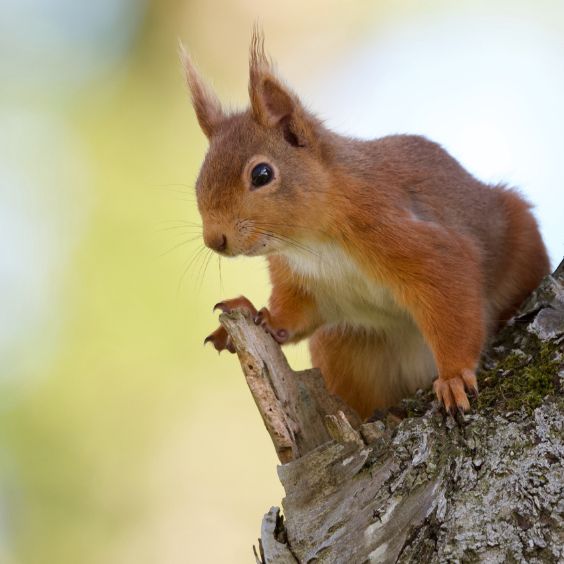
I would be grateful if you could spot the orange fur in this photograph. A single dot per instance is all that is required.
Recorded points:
(291, 307)
(393, 258)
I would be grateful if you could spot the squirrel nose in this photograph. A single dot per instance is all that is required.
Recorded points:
(217, 242)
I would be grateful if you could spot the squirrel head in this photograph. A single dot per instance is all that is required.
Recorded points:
(263, 178)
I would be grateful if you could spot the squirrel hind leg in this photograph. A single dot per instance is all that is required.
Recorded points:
(521, 260)
(364, 368)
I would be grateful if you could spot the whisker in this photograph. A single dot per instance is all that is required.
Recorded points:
(279, 237)
(284, 239)
(181, 221)
(189, 263)
(307, 227)
(186, 227)
(181, 244)
(191, 201)
(171, 187)
(203, 270)
(293, 243)
(220, 275)
(343, 234)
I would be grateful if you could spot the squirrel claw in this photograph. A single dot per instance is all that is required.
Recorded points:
(263, 319)
(227, 306)
(220, 306)
(451, 392)
(470, 381)
(220, 340)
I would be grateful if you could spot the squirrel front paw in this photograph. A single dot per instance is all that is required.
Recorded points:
(227, 306)
(451, 392)
(264, 319)
(221, 339)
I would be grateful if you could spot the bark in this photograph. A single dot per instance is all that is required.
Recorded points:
(416, 485)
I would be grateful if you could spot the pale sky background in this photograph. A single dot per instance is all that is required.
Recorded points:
(489, 90)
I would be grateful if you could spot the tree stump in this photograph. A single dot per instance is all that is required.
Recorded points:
(417, 485)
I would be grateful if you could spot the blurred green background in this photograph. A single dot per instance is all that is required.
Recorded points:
(123, 440)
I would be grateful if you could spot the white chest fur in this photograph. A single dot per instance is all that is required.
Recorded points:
(346, 297)
(344, 293)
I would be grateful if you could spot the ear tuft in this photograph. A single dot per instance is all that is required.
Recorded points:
(206, 104)
(272, 103)
(258, 61)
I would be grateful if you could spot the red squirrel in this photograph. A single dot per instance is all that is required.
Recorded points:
(387, 254)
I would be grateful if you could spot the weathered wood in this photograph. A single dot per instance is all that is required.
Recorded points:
(487, 487)
(278, 552)
(341, 430)
(293, 405)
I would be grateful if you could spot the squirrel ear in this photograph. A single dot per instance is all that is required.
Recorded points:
(272, 103)
(206, 104)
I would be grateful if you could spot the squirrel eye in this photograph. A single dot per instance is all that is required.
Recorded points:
(261, 175)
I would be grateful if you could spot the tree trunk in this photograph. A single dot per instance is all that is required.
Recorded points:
(416, 485)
